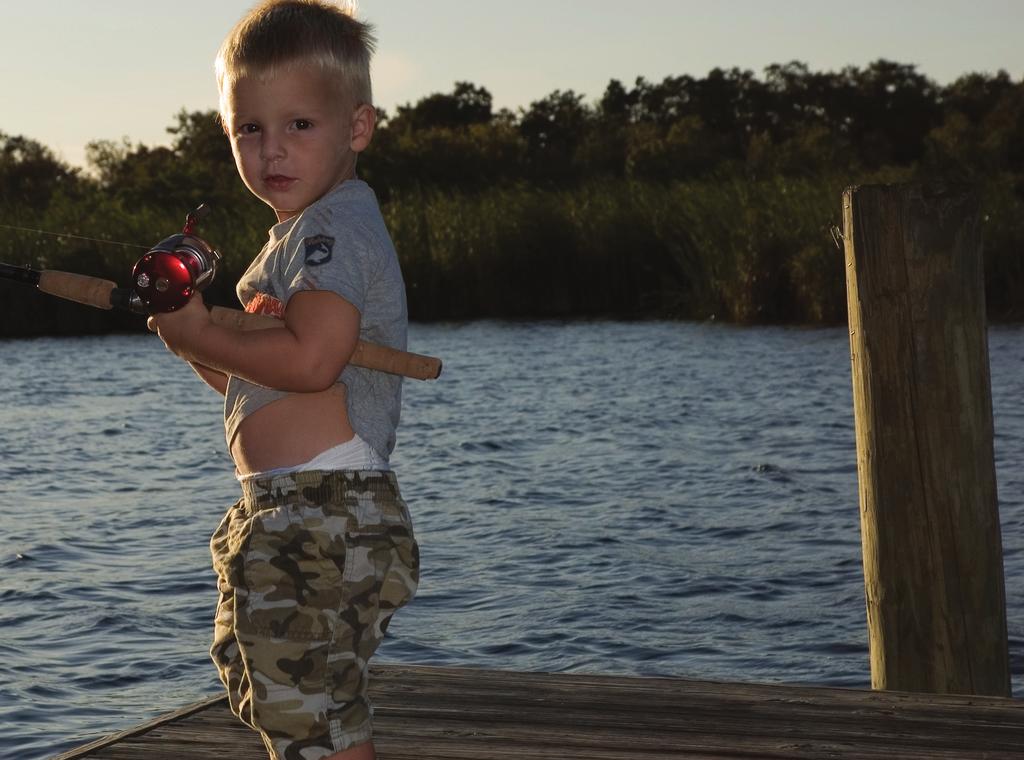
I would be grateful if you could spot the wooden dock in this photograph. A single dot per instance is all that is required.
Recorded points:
(428, 713)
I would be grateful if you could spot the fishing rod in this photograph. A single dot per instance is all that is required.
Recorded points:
(167, 276)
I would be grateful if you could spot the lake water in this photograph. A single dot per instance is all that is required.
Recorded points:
(642, 498)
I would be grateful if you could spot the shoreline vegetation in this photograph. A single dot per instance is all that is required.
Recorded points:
(693, 198)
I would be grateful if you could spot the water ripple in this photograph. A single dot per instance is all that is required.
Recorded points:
(646, 499)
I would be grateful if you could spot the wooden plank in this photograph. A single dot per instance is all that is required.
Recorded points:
(89, 750)
(425, 713)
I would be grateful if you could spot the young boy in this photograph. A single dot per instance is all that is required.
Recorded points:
(319, 552)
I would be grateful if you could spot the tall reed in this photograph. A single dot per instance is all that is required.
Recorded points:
(734, 249)
(746, 251)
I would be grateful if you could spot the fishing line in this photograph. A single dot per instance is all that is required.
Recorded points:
(69, 235)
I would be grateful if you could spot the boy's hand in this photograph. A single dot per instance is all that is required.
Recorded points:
(180, 330)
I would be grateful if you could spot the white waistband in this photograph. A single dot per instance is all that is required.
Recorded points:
(355, 454)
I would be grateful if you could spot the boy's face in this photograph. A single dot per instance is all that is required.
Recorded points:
(293, 137)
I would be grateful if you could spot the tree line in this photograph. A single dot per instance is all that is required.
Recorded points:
(695, 197)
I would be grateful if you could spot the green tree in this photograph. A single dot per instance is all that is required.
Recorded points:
(892, 110)
(465, 106)
(30, 174)
(552, 128)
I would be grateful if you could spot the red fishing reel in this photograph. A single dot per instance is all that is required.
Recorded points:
(175, 268)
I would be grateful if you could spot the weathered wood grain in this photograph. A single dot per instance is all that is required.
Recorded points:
(425, 713)
(933, 569)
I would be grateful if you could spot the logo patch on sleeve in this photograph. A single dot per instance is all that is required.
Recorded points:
(265, 304)
(318, 249)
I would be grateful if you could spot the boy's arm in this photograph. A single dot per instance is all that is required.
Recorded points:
(306, 354)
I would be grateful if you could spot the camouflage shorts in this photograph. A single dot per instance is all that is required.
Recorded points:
(310, 568)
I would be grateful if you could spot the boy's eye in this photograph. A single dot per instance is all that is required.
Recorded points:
(248, 129)
(303, 124)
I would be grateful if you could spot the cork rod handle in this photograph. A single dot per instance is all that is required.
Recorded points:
(91, 291)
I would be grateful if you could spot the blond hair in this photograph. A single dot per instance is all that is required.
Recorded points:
(277, 34)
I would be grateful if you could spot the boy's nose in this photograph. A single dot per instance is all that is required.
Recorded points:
(271, 148)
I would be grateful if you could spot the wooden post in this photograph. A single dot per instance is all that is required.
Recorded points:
(933, 560)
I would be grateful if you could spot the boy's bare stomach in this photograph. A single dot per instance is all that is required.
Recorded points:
(292, 430)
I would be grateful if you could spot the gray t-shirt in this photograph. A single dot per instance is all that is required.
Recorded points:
(339, 243)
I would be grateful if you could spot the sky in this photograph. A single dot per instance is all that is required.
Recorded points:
(74, 71)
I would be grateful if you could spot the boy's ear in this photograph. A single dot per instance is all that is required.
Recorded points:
(364, 120)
